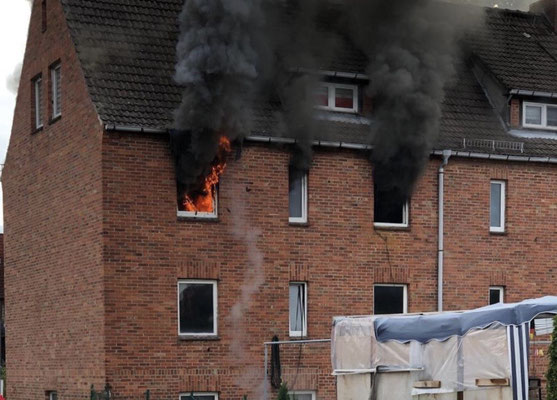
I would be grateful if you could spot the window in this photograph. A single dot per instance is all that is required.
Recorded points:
(496, 295)
(56, 79)
(199, 396)
(200, 205)
(337, 97)
(298, 306)
(43, 14)
(37, 101)
(302, 395)
(390, 299)
(52, 395)
(390, 209)
(497, 207)
(197, 308)
(539, 115)
(297, 195)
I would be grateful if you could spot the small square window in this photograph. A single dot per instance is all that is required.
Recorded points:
(539, 115)
(390, 209)
(199, 396)
(297, 196)
(197, 308)
(496, 295)
(302, 395)
(390, 299)
(37, 102)
(497, 207)
(337, 97)
(298, 309)
(56, 78)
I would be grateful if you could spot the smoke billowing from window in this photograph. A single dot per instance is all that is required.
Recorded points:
(231, 50)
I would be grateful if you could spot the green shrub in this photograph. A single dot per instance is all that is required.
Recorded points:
(283, 392)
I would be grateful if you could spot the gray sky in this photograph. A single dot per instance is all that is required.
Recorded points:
(14, 20)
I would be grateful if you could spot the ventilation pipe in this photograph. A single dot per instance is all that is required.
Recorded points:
(441, 247)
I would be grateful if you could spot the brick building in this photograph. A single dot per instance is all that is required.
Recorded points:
(106, 282)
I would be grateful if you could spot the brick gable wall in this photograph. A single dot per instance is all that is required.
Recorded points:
(53, 227)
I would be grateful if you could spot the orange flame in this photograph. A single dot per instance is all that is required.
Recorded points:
(204, 199)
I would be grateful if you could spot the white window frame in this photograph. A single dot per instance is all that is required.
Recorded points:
(201, 214)
(215, 307)
(304, 331)
(405, 218)
(311, 392)
(543, 124)
(185, 395)
(503, 185)
(304, 218)
(332, 95)
(37, 87)
(404, 296)
(54, 80)
(501, 290)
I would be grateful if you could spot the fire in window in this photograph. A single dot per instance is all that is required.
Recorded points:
(390, 208)
(298, 309)
(390, 299)
(197, 308)
(202, 200)
(337, 97)
(297, 195)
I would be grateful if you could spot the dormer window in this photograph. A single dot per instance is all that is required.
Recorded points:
(539, 115)
(337, 97)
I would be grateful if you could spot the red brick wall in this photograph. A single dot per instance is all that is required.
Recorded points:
(515, 113)
(53, 227)
(339, 254)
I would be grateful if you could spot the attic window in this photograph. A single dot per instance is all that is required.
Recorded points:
(56, 80)
(337, 97)
(539, 115)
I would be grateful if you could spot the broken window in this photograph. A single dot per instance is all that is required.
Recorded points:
(496, 295)
(497, 207)
(297, 194)
(197, 307)
(298, 309)
(390, 299)
(199, 396)
(37, 101)
(390, 209)
(337, 97)
(56, 79)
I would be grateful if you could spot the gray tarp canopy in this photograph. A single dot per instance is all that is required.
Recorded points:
(423, 328)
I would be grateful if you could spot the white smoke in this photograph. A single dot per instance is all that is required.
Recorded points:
(12, 80)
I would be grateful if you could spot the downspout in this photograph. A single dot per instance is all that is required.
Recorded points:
(441, 247)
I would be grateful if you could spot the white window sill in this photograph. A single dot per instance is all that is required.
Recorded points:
(389, 225)
(298, 335)
(336, 109)
(298, 221)
(496, 230)
(198, 336)
(542, 127)
(197, 215)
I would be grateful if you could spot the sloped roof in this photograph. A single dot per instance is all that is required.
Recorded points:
(127, 49)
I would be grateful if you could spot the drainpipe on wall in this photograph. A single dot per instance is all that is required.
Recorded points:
(441, 247)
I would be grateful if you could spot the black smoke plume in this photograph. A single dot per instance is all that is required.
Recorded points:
(217, 64)
(412, 47)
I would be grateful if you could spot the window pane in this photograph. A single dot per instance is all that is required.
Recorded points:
(295, 188)
(344, 98)
(306, 396)
(495, 205)
(533, 115)
(38, 102)
(389, 207)
(297, 307)
(56, 91)
(198, 397)
(196, 308)
(494, 296)
(551, 116)
(388, 299)
(322, 96)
